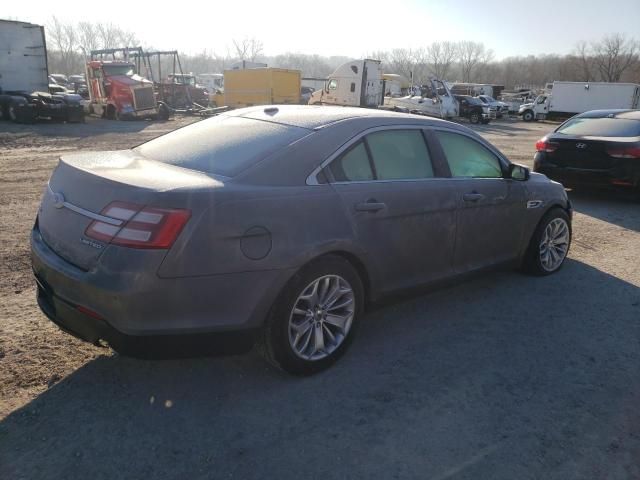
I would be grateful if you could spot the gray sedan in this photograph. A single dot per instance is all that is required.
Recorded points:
(280, 224)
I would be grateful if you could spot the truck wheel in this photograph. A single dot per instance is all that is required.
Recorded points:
(474, 118)
(163, 112)
(21, 113)
(527, 116)
(111, 113)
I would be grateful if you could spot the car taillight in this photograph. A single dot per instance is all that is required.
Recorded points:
(140, 226)
(543, 145)
(629, 152)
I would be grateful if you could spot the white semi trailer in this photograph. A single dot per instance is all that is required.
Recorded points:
(566, 99)
(356, 84)
(24, 84)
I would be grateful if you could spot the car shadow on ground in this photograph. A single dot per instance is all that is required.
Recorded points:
(613, 206)
(505, 376)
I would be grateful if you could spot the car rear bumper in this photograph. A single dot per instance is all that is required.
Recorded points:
(623, 175)
(127, 308)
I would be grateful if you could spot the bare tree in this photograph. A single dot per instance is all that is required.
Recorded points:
(401, 61)
(112, 36)
(472, 55)
(248, 48)
(441, 56)
(313, 66)
(613, 55)
(87, 38)
(64, 41)
(583, 61)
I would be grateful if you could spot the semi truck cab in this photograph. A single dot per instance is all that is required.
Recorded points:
(356, 84)
(117, 92)
(538, 110)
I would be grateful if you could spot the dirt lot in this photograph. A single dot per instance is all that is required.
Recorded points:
(505, 376)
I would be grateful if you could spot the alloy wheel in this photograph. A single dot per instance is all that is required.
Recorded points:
(554, 244)
(321, 317)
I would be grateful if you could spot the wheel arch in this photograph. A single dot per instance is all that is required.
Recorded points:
(548, 208)
(359, 265)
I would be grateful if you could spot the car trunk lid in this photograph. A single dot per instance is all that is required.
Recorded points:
(585, 153)
(83, 185)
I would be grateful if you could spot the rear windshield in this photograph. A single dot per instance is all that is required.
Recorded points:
(601, 127)
(221, 145)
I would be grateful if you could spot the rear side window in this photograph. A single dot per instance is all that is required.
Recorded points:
(399, 154)
(601, 127)
(222, 145)
(385, 155)
(468, 158)
(353, 165)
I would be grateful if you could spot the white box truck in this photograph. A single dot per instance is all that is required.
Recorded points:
(355, 84)
(24, 83)
(566, 99)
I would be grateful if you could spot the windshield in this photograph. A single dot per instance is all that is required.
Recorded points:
(471, 100)
(601, 127)
(113, 70)
(221, 145)
(185, 80)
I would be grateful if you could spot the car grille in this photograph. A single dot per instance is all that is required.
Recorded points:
(143, 98)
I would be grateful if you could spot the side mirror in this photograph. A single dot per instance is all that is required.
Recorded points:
(518, 172)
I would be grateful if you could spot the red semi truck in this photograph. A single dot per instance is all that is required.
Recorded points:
(116, 91)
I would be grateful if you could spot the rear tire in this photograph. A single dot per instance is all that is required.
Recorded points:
(549, 245)
(111, 113)
(163, 112)
(474, 118)
(300, 314)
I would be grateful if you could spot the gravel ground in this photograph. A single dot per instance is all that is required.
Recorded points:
(505, 376)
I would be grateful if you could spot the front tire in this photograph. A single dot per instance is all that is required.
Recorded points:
(549, 244)
(527, 116)
(315, 318)
(474, 118)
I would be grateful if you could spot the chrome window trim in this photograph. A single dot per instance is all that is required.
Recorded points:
(313, 180)
(87, 213)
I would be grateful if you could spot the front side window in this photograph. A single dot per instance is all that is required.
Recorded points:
(333, 84)
(467, 157)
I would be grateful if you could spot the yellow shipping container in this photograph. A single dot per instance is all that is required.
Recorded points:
(261, 86)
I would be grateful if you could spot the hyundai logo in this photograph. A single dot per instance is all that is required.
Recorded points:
(581, 145)
(58, 200)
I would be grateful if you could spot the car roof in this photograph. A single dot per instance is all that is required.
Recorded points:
(612, 113)
(314, 116)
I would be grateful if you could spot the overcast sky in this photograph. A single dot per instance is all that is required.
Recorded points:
(350, 28)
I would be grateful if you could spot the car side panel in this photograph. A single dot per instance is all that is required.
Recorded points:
(265, 229)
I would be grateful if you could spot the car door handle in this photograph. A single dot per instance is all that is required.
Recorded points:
(472, 197)
(370, 206)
